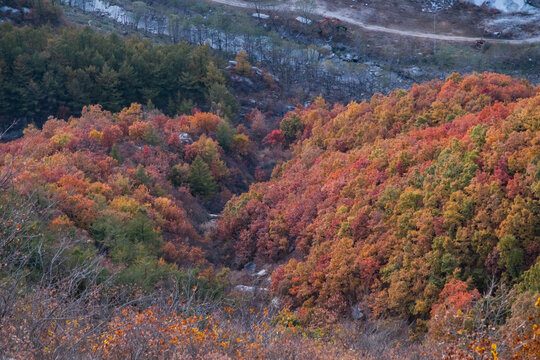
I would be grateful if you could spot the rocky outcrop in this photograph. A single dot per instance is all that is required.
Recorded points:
(508, 6)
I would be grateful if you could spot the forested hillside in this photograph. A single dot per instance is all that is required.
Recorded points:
(396, 205)
(56, 71)
(106, 173)
(410, 216)
(105, 215)
(155, 204)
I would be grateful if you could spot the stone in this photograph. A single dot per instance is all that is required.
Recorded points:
(250, 267)
(357, 313)
(303, 20)
(261, 273)
(244, 288)
(261, 16)
(185, 138)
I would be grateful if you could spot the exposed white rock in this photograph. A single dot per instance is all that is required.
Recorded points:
(506, 6)
(9, 9)
(261, 16)
(303, 20)
(185, 138)
(261, 273)
(249, 289)
(244, 288)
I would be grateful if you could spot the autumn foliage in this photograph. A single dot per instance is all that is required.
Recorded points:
(407, 204)
(420, 210)
(107, 170)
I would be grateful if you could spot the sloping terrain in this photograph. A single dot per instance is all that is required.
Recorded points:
(403, 227)
(385, 202)
(366, 18)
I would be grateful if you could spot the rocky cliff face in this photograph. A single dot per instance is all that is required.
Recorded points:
(508, 6)
(505, 6)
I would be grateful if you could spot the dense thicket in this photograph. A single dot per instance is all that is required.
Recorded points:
(102, 252)
(46, 71)
(128, 179)
(423, 206)
(385, 203)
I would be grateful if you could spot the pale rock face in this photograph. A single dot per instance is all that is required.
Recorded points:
(506, 6)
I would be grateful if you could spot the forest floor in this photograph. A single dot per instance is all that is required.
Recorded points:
(464, 24)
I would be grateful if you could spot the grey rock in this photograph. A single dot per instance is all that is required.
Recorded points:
(357, 313)
(261, 16)
(185, 138)
(250, 267)
(244, 288)
(261, 273)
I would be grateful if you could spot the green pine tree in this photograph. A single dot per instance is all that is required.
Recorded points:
(141, 229)
(225, 133)
(201, 180)
(108, 82)
(222, 101)
(115, 154)
(141, 177)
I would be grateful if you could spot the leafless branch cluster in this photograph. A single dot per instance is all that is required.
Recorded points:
(8, 129)
(493, 308)
(55, 301)
(42, 285)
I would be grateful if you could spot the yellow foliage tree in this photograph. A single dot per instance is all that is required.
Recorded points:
(243, 67)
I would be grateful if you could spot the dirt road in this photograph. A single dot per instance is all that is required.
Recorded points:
(353, 17)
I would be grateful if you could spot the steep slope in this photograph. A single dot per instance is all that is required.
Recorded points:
(407, 206)
(385, 202)
(133, 181)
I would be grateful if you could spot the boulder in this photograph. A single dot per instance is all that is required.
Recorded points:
(244, 288)
(261, 16)
(261, 273)
(357, 313)
(250, 267)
